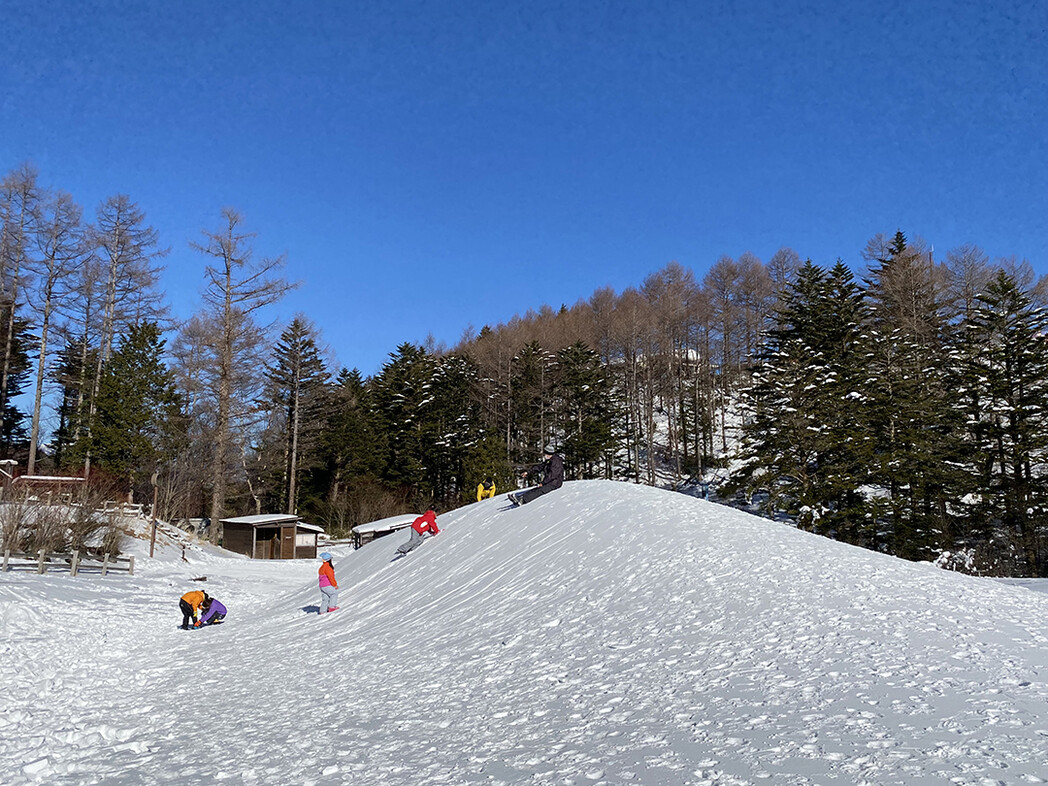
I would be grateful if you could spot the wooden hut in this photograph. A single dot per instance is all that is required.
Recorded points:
(365, 533)
(271, 536)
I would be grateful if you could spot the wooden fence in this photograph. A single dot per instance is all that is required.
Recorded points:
(73, 561)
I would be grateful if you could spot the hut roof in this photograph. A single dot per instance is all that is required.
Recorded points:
(266, 520)
(387, 525)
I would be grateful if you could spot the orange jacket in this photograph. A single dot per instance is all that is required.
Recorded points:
(329, 572)
(194, 599)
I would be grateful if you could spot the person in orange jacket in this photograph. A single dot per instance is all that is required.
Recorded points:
(486, 490)
(426, 523)
(190, 604)
(328, 585)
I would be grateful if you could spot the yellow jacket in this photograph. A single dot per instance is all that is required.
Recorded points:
(484, 491)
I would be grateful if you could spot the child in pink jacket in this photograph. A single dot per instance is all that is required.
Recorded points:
(328, 585)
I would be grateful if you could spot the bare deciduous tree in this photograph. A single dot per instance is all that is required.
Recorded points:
(129, 252)
(19, 205)
(61, 245)
(236, 287)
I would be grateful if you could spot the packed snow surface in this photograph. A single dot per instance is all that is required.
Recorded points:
(603, 634)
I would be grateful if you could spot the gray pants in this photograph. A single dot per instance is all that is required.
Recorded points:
(415, 540)
(328, 598)
(533, 494)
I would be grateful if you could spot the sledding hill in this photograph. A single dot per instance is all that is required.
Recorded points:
(606, 633)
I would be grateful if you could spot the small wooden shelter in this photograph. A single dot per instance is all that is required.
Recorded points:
(271, 536)
(365, 533)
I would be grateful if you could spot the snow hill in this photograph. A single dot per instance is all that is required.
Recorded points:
(604, 634)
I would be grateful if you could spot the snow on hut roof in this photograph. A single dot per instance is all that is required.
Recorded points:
(262, 519)
(273, 520)
(387, 525)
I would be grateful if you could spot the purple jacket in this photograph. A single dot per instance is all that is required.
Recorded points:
(216, 608)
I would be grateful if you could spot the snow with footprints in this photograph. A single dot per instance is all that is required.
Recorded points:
(607, 633)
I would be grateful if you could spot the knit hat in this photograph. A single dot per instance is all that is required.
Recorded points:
(326, 556)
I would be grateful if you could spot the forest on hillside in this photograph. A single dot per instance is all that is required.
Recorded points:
(900, 408)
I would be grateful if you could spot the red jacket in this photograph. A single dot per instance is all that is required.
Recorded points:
(427, 522)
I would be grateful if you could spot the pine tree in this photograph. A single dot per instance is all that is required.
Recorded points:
(1007, 393)
(530, 394)
(352, 438)
(71, 373)
(14, 436)
(912, 417)
(400, 391)
(297, 379)
(584, 409)
(806, 440)
(452, 431)
(138, 422)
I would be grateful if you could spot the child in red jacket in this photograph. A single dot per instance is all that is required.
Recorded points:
(426, 523)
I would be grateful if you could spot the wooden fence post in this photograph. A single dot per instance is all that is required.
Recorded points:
(7, 556)
(74, 563)
(131, 565)
(40, 568)
(105, 565)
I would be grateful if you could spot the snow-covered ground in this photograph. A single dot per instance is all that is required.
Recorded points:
(606, 633)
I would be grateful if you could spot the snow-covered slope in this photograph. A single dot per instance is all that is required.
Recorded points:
(606, 633)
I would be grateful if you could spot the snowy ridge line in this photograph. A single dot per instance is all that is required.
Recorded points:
(606, 633)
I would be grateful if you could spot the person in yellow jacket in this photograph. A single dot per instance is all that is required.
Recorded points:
(486, 490)
(190, 604)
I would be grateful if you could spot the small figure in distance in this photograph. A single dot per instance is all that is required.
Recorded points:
(426, 523)
(328, 585)
(214, 612)
(486, 490)
(190, 604)
(549, 474)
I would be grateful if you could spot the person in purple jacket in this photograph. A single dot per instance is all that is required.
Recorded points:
(214, 612)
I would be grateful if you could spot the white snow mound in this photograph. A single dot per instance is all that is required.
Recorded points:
(605, 633)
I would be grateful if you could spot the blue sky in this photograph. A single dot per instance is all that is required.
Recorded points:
(426, 166)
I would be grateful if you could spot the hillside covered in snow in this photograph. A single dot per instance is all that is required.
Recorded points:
(604, 634)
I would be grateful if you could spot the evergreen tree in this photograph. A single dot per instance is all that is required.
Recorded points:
(352, 438)
(297, 379)
(71, 374)
(14, 436)
(1006, 393)
(912, 418)
(452, 430)
(584, 409)
(806, 440)
(400, 391)
(137, 420)
(530, 395)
